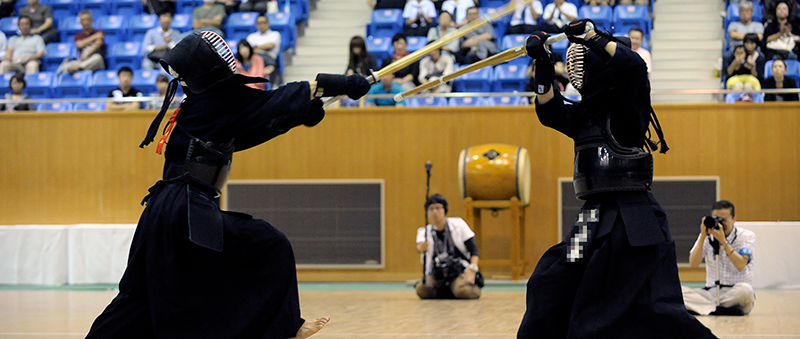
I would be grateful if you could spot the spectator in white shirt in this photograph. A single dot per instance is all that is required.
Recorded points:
(458, 9)
(525, 19)
(266, 44)
(558, 14)
(436, 66)
(158, 41)
(736, 247)
(418, 15)
(637, 37)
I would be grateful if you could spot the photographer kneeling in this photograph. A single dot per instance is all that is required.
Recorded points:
(735, 247)
(448, 273)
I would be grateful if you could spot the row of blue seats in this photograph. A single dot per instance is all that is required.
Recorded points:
(83, 84)
(467, 101)
(121, 28)
(71, 107)
(499, 3)
(61, 8)
(618, 19)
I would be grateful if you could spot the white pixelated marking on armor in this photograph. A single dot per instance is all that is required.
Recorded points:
(575, 249)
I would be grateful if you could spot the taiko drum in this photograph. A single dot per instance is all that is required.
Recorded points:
(495, 172)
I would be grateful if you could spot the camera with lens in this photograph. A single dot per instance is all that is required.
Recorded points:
(713, 222)
(447, 269)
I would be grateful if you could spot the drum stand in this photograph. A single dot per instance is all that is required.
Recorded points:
(473, 218)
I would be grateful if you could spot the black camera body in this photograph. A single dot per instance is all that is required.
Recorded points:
(447, 270)
(713, 222)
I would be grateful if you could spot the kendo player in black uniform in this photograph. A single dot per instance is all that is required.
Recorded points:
(195, 271)
(615, 275)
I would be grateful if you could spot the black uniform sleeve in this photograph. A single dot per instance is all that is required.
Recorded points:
(272, 113)
(558, 116)
(472, 247)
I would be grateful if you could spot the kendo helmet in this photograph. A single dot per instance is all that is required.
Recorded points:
(584, 63)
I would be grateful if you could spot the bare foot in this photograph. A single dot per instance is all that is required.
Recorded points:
(311, 327)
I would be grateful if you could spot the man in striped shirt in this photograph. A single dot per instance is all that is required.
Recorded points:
(736, 247)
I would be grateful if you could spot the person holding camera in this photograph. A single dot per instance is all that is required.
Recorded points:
(451, 255)
(720, 241)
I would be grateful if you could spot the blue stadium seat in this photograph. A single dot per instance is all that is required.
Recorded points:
(466, 101)
(415, 43)
(128, 8)
(733, 13)
(9, 26)
(240, 24)
(602, 16)
(103, 82)
(560, 48)
(54, 107)
(40, 85)
(732, 98)
(380, 47)
(63, 8)
(125, 54)
(792, 69)
(186, 6)
(428, 102)
(298, 8)
(139, 24)
(5, 80)
(626, 16)
(513, 40)
(477, 81)
(523, 61)
(97, 7)
(182, 22)
(114, 27)
(68, 27)
(56, 52)
(73, 85)
(145, 81)
(497, 3)
(282, 22)
(504, 101)
(385, 22)
(19, 4)
(509, 78)
(90, 107)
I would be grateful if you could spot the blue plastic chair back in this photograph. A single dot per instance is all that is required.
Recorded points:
(145, 81)
(97, 7)
(64, 7)
(68, 27)
(240, 24)
(282, 22)
(504, 101)
(186, 6)
(9, 26)
(56, 52)
(632, 15)
(380, 47)
(386, 22)
(113, 26)
(40, 85)
(428, 102)
(103, 82)
(74, 85)
(602, 16)
(414, 43)
(181, 22)
(466, 101)
(509, 78)
(90, 107)
(139, 24)
(476, 81)
(54, 107)
(128, 8)
(5, 80)
(125, 54)
(513, 40)
(732, 98)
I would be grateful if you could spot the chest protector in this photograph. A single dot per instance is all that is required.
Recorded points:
(603, 165)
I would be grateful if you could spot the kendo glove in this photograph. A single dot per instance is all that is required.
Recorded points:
(315, 113)
(543, 76)
(535, 46)
(354, 86)
(577, 29)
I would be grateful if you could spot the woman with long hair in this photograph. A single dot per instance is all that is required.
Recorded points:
(360, 60)
(249, 63)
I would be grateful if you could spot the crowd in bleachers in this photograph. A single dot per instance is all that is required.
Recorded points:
(762, 45)
(75, 48)
(399, 27)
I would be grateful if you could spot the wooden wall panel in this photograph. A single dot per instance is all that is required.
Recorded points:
(86, 168)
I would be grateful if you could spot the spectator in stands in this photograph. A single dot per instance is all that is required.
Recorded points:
(436, 65)
(162, 82)
(770, 6)
(125, 90)
(782, 34)
(418, 15)
(746, 59)
(209, 17)
(406, 77)
(634, 2)
(158, 7)
(41, 21)
(25, 51)
(249, 63)
(259, 6)
(360, 60)
(599, 2)
(158, 41)
(637, 37)
(230, 5)
(737, 29)
(458, 9)
(386, 4)
(740, 76)
(558, 14)
(7, 8)
(444, 28)
(92, 46)
(266, 44)
(779, 80)
(735, 272)
(17, 85)
(3, 45)
(478, 44)
(387, 85)
(525, 19)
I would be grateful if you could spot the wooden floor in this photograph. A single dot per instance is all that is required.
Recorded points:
(361, 314)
